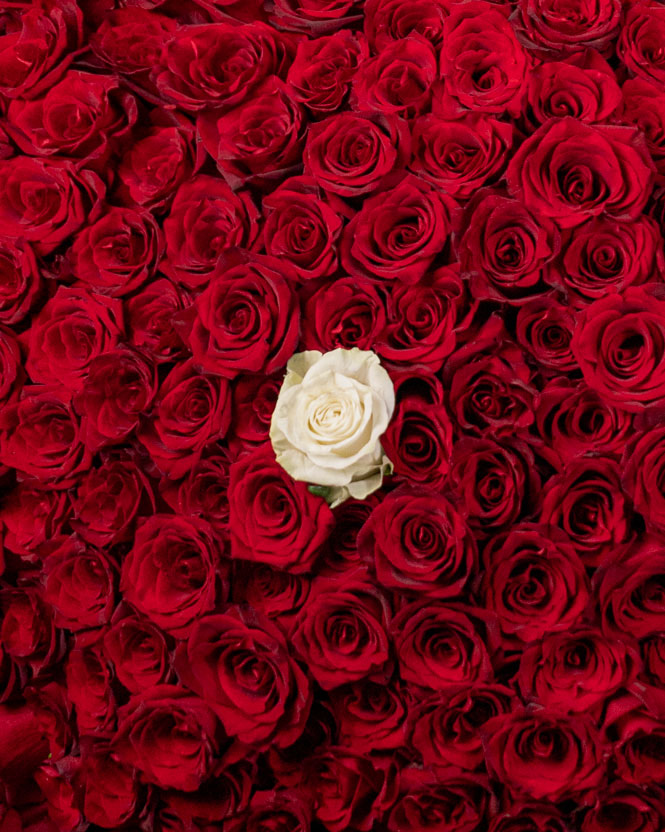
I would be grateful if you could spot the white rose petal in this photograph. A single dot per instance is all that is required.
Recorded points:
(330, 415)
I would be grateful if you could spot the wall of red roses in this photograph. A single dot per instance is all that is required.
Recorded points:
(190, 192)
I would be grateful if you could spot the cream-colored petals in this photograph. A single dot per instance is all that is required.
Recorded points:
(330, 414)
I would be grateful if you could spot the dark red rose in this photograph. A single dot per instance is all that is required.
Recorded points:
(446, 726)
(576, 671)
(415, 541)
(137, 649)
(28, 632)
(638, 47)
(254, 398)
(371, 717)
(45, 202)
(398, 233)
(530, 817)
(419, 441)
(341, 550)
(492, 483)
(280, 809)
(535, 583)
(20, 280)
(574, 421)
(203, 492)
(301, 228)
(259, 141)
(238, 662)
(340, 633)
(460, 155)
(88, 677)
(118, 253)
(172, 573)
(491, 390)
(191, 411)
(37, 45)
(653, 656)
(424, 320)
(545, 755)
(60, 806)
(644, 106)
(349, 312)
(274, 593)
(120, 386)
(32, 516)
(352, 154)
(606, 255)
(483, 65)
(620, 345)
(24, 745)
(206, 218)
(108, 500)
(274, 519)
(545, 329)
(170, 736)
(348, 791)
(219, 64)
(79, 583)
(398, 81)
(583, 86)
(40, 437)
(390, 20)
(554, 30)
(149, 320)
(323, 68)
(630, 594)
(316, 17)
(639, 731)
(643, 476)
(440, 646)
(81, 116)
(129, 40)
(110, 791)
(72, 329)
(571, 171)
(506, 251)
(454, 801)
(12, 375)
(246, 320)
(631, 806)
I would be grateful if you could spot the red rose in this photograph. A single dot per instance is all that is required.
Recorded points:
(246, 320)
(644, 812)
(643, 476)
(551, 30)
(171, 737)
(32, 516)
(398, 81)
(204, 491)
(118, 253)
(40, 437)
(371, 717)
(274, 593)
(545, 755)
(506, 251)
(150, 317)
(644, 105)
(341, 550)
(620, 346)
(571, 171)
(460, 156)
(315, 17)
(534, 583)
(301, 228)
(643, 28)
(440, 646)
(191, 411)
(525, 816)
(583, 86)
(12, 375)
(28, 631)
(138, 651)
(606, 255)
(340, 632)
(110, 791)
(206, 218)
(254, 398)
(267, 706)
(545, 329)
(79, 116)
(352, 154)
(45, 202)
(20, 280)
(258, 142)
(71, 330)
(323, 68)
(280, 808)
(274, 519)
(415, 541)
(390, 20)
(172, 572)
(219, 64)
(482, 63)
(120, 387)
(639, 729)
(129, 40)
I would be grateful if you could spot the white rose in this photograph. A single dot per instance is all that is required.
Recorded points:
(330, 414)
